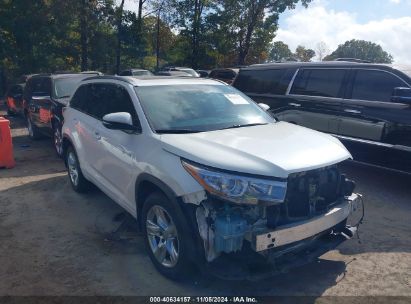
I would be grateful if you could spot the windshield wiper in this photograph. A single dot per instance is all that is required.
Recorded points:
(60, 97)
(246, 125)
(177, 131)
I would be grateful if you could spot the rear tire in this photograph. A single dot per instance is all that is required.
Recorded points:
(58, 140)
(34, 132)
(77, 180)
(167, 236)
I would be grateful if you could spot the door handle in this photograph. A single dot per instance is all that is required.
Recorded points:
(97, 135)
(294, 104)
(352, 111)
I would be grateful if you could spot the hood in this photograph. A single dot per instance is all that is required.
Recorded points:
(277, 149)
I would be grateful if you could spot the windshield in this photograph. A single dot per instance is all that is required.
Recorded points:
(190, 71)
(64, 87)
(142, 73)
(197, 108)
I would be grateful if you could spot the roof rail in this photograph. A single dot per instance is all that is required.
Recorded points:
(108, 77)
(353, 60)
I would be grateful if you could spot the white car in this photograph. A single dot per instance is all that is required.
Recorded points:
(206, 171)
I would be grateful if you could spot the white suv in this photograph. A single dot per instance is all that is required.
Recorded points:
(207, 172)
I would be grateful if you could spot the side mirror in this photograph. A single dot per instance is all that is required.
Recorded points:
(120, 121)
(264, 106)
(401, 95)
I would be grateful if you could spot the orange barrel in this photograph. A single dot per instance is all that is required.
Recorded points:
(6, 145)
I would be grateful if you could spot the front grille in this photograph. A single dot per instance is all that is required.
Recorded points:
(309, 194)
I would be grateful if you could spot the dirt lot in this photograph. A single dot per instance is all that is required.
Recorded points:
(54, 241)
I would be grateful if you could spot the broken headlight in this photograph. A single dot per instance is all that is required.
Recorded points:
(236, 188)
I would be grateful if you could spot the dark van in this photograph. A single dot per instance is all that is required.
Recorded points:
(367, 106)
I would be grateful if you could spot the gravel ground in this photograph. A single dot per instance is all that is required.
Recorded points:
(53, 241)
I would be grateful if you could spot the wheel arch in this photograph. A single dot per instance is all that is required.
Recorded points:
(147, 184)
(66, 144)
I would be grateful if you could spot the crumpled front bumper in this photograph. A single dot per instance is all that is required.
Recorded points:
(294, 248)
(302, 230)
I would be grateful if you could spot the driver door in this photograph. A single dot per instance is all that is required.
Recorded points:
(118, 150)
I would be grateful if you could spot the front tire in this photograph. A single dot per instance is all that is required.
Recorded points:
(167, 236)
(77, 180)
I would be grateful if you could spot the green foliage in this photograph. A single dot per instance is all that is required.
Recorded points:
(280, 51)
(303, 54)
(361, 49)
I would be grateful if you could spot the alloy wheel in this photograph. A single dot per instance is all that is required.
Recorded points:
(58, 141)
(162, 236)
(72, 167)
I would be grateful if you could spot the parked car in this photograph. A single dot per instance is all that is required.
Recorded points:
(14, 99)
(44, 98)
(206, 172)
(189, 71)
(173, 74)
(367, 106)
(135, 72)
(203, 73)
(226, 75)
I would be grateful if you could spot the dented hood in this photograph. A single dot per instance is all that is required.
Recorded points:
(276, 149)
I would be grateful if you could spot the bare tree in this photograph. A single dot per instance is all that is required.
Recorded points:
(322, 50)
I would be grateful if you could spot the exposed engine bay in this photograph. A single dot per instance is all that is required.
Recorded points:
(317, 202)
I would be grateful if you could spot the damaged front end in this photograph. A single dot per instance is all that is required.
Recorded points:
(318, 212)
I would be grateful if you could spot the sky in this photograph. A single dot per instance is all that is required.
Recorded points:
(386, 22)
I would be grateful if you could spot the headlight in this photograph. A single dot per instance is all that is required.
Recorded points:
(235, 188)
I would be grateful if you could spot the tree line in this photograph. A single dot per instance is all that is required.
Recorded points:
(49, 35)
(355, 49)
(58, 35)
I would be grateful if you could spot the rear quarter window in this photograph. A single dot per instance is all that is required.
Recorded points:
(274, 81)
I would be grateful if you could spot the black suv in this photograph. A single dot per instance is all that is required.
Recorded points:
(367, 106)
(43, 100)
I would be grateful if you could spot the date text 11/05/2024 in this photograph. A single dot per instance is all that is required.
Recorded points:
(236, 299)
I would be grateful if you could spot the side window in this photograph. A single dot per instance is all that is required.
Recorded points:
(36, 86)
(105, 98)
(45, 87)
(263, 81)
(318, 82)
(375, 85)
(79, 99)
(120, 102)
(98, 95)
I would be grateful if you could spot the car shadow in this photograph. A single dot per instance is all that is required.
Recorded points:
(52, 215)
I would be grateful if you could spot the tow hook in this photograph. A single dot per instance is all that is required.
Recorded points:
(348, 232)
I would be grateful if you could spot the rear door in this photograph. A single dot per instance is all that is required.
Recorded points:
(44, 104)
(266, 86)
(368, 112)
(315, 96)
(87, 108)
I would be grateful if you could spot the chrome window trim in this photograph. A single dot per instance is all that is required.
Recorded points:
(290, 85)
